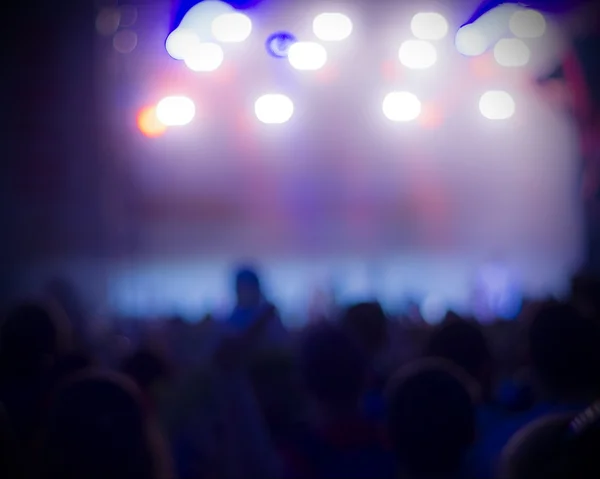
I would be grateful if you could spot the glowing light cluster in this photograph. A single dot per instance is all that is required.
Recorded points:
(197, 43)
(205, 24)
(276, 108)
(476, 38)
(154, 120)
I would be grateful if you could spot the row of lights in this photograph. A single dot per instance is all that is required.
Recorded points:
(490, 29)
(218, 22)
(197, 40)
(274, 108)
(234, 27)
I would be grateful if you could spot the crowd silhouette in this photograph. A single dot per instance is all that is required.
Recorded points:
(245, 398)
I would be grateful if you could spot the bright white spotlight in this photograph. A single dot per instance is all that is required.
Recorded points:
(475, 38)
(471, 40)
(417, 54)
(512, 52)
(429, 26)
(332, 27)
(307, 56)
(497, 105)
(527, 24)
(199, 18)
(204, 57)
(274, 109)
(231, 27)
(175, 111)
(180, 42)
(401, 106)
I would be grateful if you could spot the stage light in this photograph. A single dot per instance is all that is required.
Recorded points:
(204, 57)
(278, 44)
(475, 38)
(429, 26)
(471, 40)
(512, 52)
(527, 24)
(175, 111)
(417, 54)
(180, 42)
(231, 27)
(149, 124)
(274, 109)
(332, 27)
(401, 106)
(307, 56)
(200, 17)
(497, 105)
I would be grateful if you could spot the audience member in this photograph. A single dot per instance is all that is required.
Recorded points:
(8, 449)
(555, 447)
(431, 420)
(585, 293)
(565, 361)
(32, 337)
(340, 442)
(148, 370)
(249, 401)
(565, 355)
(251, 304)
(463, 343)
(367, 325)
(97, 428)
(68, 365)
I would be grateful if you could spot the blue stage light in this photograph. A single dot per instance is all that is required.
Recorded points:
(279, 43)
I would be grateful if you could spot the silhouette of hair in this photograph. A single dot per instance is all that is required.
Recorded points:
(247, 276)
(431, 418)
(564, 350)
(145, 367)
(97, 429)
(31, 333)
(333, 366)
(554, 448)
(367, 323)
(8, 448)
(464, 344)
(70, 364)
(585, 293)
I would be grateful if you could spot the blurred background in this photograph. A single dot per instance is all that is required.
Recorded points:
(394, 173)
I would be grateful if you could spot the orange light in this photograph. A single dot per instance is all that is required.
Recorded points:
(148, 123)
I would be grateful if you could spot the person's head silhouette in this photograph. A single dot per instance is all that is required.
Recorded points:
(247, 288)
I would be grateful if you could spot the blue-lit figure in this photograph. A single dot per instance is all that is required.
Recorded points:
(250, 306)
